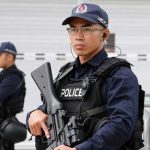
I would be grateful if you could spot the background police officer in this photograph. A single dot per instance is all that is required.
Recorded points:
(12, 89)
(88, 29)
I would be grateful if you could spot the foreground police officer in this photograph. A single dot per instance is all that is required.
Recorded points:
(12, 92)
(88, 29)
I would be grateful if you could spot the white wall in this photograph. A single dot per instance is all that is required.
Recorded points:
(35, 25)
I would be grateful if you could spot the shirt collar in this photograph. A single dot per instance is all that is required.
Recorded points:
(7, 70)
(96, 60)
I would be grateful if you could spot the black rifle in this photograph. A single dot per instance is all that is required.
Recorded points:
(60, 133)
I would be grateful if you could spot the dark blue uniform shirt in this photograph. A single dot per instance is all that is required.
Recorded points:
(122, 105)
(9, 84)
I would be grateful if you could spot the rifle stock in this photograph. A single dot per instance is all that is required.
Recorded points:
(44, 80)
(60, 133)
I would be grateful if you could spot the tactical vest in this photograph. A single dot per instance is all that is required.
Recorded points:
(86, 99)
(14, 103)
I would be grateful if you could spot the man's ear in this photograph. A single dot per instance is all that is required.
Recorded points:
(106, 35)
(10, 56)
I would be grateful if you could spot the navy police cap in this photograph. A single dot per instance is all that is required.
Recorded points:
(89, 12)
(8, 47)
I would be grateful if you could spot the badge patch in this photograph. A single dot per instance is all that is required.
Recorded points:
(81, 9)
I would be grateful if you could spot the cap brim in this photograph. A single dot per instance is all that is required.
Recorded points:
(68, 20)
(9, 51)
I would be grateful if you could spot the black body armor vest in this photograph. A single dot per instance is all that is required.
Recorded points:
(15, 102)
(78, 97)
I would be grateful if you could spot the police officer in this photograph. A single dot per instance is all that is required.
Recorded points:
(88, 29)
(12, 90)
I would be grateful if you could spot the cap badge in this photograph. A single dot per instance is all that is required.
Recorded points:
(101, 20)
(81, 9)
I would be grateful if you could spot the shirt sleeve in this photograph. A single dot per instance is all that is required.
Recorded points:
(8, 86)
(122, 112)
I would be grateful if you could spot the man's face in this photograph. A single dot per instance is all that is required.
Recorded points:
(86, 38)
(3, 60)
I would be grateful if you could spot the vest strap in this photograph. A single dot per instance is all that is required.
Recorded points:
(93, 112)
(63, 74)
(64, 70)
(109, 65)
